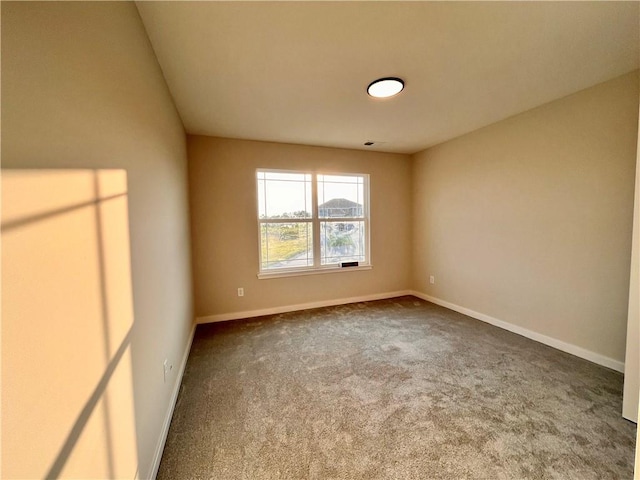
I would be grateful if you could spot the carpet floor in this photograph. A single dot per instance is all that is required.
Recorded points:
(391, 389)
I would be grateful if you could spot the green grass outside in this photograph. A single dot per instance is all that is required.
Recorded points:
(285, 241)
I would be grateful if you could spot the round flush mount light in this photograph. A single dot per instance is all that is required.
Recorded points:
(385, 87)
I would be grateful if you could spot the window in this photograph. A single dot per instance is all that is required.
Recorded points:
(312, 222)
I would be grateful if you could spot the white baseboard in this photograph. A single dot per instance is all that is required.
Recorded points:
(155, 465)
(538, 337)
(222, 317)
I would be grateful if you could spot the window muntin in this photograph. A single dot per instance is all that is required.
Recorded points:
(340, 196)
(284, 195)
(311, 221)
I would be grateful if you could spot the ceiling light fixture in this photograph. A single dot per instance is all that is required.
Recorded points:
(385, 87)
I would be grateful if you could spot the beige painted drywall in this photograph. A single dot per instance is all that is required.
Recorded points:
(632, 355)
(630, 404)
(224, 224)
(96, 274)
(68, 312)
(529, 220)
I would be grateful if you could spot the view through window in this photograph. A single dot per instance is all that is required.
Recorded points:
(312, 221)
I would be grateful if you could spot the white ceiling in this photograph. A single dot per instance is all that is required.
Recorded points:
(297, 72)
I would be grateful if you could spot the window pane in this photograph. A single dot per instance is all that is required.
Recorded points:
(340, 196)
(342, 242)
(286, 245)
(284, 195)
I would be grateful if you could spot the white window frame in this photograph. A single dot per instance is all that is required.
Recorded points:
(315, 222)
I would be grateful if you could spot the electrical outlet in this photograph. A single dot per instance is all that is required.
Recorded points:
(432, 279)
(167, 367)
(241, 292)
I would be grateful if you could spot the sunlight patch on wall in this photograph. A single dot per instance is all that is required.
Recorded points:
(67, 315)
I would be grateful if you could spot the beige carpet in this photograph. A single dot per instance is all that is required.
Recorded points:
(393, 389)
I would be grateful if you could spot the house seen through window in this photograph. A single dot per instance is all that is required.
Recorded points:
(312, 221)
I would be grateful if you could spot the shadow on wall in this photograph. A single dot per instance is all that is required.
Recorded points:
(67, 316)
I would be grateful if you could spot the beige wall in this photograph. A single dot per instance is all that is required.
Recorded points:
(225, 235)
(96, 277)
(529, 220)
(632, 355)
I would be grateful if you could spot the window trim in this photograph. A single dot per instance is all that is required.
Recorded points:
(315, 222)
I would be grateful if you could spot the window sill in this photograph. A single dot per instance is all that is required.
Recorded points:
(311, 271)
